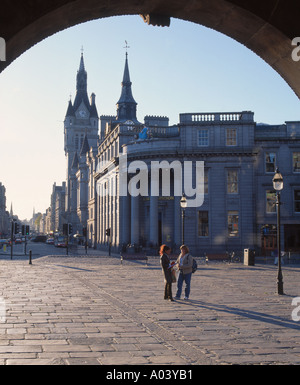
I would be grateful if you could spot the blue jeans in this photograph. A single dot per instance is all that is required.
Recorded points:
(187, 279)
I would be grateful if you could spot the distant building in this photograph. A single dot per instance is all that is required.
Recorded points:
(4, 215)
(47, 227)
(240, 158)
(56, 215)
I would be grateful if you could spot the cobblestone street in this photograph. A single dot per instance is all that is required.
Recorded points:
(91, 310)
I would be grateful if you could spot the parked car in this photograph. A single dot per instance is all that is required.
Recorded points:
(60, 242)
(39, 238)
(50, 241)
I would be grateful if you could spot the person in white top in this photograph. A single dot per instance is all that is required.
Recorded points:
(185, 266)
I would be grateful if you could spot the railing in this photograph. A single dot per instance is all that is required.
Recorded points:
(203, 117)
(216, 117)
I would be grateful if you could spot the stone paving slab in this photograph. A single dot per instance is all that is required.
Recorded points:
(95, 311)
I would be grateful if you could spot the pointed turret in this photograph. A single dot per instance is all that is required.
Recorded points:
(85, 146)
(126, 106)
(70, 111)
(94, 112)
(75, 162)
(81, 94)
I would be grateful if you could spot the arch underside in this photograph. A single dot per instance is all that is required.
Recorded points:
(267, 28)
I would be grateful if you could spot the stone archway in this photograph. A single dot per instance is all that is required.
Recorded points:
(265, 27)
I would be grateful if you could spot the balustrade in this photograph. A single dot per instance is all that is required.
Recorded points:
(215, 117)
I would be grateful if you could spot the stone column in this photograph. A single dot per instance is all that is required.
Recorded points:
(135, 223)
(177, 221)
(153, 220)
(102, 211)
(125, 207)
(98, 215)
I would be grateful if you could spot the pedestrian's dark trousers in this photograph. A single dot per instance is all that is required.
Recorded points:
(168, 290)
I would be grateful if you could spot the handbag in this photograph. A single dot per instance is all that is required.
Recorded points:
(173, 272)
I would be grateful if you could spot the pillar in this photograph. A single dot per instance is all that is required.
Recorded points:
(177, 221)
(125, 207)
(153, 238)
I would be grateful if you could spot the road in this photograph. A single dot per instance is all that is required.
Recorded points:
(39, 250)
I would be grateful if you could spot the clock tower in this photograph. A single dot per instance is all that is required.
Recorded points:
(81, 124)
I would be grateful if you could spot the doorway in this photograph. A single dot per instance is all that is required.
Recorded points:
(292, 238)
(268, 239)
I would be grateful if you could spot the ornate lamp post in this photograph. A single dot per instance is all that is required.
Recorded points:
(183, 205)
(278, 186)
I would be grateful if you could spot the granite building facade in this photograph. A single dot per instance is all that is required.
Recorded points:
(239, 157)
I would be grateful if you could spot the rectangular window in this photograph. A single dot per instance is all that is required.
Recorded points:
(231, 137)
(270, 162)
(203, 228)
(203, 139)
(232, 182)
(270, 202)
(233, 224)
(297, 201)
(296, 162)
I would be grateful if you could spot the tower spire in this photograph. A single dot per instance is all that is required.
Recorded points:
(126, 106)
(81, 67)
(126, 47)
(81, 86)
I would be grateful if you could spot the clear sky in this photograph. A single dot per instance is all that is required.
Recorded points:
(182, 69)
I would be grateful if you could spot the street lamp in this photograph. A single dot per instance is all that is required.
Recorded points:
(278, 186)
(183, 204)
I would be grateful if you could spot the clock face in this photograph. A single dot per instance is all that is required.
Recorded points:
(82, 113)
(129, 122)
